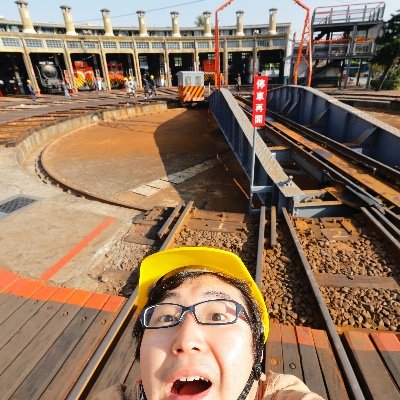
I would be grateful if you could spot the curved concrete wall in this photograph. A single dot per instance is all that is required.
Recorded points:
(67, 125)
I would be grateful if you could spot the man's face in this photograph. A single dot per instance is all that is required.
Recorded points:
(221, 354)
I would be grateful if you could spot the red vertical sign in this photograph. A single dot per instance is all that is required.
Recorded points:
(260, 87)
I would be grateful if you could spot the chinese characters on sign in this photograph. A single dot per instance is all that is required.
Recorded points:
(259, 100)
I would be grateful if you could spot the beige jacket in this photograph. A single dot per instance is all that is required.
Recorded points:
(272, 387)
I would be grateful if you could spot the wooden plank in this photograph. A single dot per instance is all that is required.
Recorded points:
(20, 291)
(118, 365)
(138, 239)
(216, 226)
(221, 216)
(76, 362)
(273, 350)
(388, 345)
(290, 351)
(356, 281)
(333, 379)
(20, 317)
(22, 365)
(23, 337)
(372, 374)
(313, 376)
(49, 365)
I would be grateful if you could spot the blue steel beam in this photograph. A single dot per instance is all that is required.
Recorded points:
(279, 190)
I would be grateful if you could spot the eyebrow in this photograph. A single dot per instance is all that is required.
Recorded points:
(211, 293)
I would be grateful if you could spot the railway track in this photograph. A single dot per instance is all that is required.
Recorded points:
(291, 260)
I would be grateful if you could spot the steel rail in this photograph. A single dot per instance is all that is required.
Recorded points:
(166, 226)
(274, 236)
(260, 248)
(386, 221)
(178, 226)
(349, 374)
(392, 214)
(382, 229)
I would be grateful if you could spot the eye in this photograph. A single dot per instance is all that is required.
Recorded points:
(218, 317)
(167, 318)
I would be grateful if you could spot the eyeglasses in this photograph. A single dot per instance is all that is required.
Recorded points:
(210, 312)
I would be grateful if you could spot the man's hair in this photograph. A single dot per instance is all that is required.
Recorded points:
(163, 286)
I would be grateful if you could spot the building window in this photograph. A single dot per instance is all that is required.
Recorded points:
(142, 45)
(54, 44)
(125, 45)
(91, 45)
(278, 42)
(188, 45)
(173, 45)
(230, 56)
(202, 45)
(109, 45)
(33, 43)
(11, 42)
(178, 61)
(157, 45)
(233, 43)
(262, 43)
(247, 43)
(75, 44)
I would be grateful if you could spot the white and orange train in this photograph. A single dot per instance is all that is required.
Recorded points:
(190, 86)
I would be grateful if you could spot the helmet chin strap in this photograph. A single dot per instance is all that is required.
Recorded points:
(255, 375)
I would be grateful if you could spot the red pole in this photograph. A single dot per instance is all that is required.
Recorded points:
(216, 44)
(306, 30)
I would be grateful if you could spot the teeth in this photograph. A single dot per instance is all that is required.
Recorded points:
(193, 378)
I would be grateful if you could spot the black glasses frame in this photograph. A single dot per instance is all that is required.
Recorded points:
(185, 309)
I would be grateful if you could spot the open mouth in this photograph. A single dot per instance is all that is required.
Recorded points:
(190, 385)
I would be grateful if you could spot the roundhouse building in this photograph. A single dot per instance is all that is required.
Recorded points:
(47, 53)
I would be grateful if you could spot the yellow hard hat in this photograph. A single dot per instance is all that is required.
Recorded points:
(151, 76)
(229, 264)
(125, 79)
(28, 81)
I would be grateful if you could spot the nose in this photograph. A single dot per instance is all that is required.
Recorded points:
(189, 336)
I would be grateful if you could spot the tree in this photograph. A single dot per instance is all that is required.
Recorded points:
(199, 21)
(388, 54)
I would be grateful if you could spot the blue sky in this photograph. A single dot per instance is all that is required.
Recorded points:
(256, 12)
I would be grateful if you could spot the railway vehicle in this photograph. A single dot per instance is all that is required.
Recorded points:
(116, 74)
(83, 75)
(190, 86)
(50, 77)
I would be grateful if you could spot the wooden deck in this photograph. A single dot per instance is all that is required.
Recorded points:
(47, 335)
